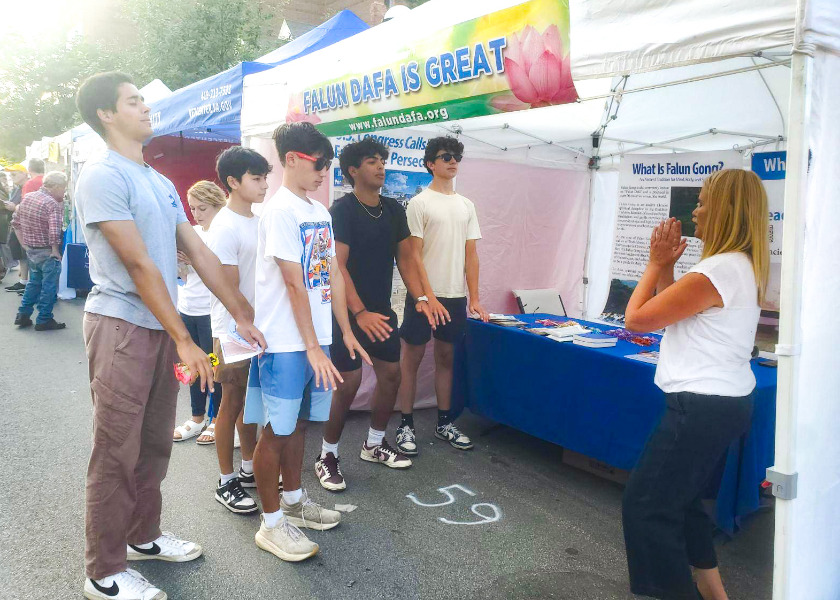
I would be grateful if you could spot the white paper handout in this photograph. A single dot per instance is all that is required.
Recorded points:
(236, 348)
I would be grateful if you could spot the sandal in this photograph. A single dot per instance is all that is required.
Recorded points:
(209, 433)
(188, 430)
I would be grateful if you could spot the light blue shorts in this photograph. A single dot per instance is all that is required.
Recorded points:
(281, 390)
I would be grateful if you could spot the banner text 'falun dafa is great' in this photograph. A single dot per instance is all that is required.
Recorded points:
(509, 60)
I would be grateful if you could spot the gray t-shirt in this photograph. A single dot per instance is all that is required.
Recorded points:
(113, 188)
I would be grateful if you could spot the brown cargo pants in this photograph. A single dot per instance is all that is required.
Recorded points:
(134, 392)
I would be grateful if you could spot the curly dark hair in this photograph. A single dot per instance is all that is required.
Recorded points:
(354, 154)
(435, 145)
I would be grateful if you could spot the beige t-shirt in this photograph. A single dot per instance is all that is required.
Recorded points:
(444, 222)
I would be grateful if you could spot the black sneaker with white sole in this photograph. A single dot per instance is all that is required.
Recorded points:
(453, 435)
(249, 481)
(234, 498)
(406, 440)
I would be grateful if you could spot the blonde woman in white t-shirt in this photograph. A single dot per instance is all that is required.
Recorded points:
(710, 317)
(206, 199)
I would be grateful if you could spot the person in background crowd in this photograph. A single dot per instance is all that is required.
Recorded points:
(371, 232)
(134, 223)
(19, 176)
(233, 239)
(38, 221)
(205, 199)
(710, 318)
(291, 382)
(6, 261)
(444, 229)
(36, 176)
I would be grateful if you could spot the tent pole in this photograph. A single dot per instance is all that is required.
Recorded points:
(593, 169)
(658, 86)
(789, 346)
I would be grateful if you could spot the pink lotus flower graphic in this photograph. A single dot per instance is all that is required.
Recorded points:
(537, 70)
(295, 113)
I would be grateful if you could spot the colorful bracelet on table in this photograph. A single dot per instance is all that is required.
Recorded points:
(182, 371)
(627, 336)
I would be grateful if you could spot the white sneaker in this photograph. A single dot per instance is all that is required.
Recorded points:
(285, 541)
(127, 585)
(167, 547)
(307, 513)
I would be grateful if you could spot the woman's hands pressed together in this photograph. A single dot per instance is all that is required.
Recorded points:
(666, 243)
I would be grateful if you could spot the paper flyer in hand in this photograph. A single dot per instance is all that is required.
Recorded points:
(236, 348)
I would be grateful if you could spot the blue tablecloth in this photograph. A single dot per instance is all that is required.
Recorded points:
(597, 402)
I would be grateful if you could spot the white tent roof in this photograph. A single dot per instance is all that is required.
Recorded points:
(609, 40)
(660, 107)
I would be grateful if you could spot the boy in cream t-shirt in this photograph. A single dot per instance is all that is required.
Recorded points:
(444, 229)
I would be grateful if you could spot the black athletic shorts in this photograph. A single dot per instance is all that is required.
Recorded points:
(18, 253)
(388, 351)
(416, 329)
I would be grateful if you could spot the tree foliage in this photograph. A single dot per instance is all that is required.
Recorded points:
(177, 41)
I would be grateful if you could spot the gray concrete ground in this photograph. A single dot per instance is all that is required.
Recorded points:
(558, 534)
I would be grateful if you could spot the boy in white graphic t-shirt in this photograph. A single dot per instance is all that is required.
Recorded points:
(297, 290)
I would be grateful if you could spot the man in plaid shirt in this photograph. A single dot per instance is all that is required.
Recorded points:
(37, 223)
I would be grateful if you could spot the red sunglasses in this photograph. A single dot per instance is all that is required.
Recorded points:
(321, 162)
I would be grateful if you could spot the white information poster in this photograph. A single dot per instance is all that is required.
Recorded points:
(653, 187)
(771, 168)
(405, 177)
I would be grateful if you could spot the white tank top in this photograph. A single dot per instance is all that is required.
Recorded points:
(709, 353)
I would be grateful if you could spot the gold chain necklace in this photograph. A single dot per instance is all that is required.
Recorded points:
(362, 204)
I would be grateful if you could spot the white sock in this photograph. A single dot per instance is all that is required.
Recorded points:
(374, 437)
(271, 519)
(226, 478)
(24, 281)
(327, 447)
(293, 496)
(248, 466)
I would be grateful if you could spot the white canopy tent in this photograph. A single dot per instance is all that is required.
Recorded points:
(673, 76)
(697, 88)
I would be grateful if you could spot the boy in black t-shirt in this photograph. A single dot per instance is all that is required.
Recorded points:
(371, 232)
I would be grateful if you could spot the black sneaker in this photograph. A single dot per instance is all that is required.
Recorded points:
(249, 481)
(234, 498)
(23, 321)
(16, 287)
(406, 440)
(453, 435)
(50, 325)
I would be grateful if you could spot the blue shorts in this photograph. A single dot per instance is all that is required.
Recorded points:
(281, 390)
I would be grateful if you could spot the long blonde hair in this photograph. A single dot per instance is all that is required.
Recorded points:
(207, 192)
(737, 220)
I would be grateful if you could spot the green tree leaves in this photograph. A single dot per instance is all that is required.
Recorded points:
(177, 41)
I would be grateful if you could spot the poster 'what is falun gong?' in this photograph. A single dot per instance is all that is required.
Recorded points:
(509, 60)
(653, 187)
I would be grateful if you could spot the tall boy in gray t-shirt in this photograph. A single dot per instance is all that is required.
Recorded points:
(134, 223)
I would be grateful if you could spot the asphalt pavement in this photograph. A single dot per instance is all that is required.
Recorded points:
(510, 521)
